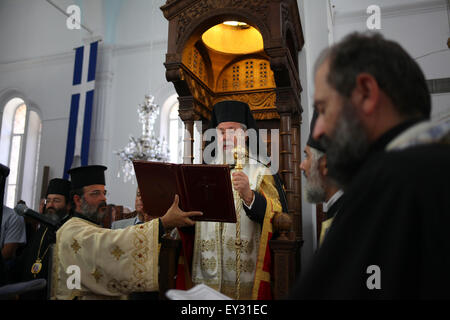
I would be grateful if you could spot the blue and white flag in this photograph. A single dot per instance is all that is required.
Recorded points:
(82, 103)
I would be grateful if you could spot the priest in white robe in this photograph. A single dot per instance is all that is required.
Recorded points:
(90, 262)
(234, 258)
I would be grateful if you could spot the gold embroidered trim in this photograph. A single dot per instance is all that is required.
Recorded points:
(141, 253)
(117, 252)
(246, 265)
(246, 245)
(273, 205)
(75, 246)
(208, 264)
(229, 289)
(97, 275)
(116, 286)
(207, 245)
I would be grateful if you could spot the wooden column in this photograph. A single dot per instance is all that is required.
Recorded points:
(284, 267)
(286, 155)
(187, 114)
(296, 146)
(188, 141)
(284, 258)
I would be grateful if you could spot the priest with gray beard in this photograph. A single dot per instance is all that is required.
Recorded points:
(34, 261)
(319, 187)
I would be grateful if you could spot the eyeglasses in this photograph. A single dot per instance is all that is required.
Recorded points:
(232, 132)
(55, 201)
(97, 193)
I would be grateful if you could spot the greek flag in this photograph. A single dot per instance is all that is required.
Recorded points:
(82, 102)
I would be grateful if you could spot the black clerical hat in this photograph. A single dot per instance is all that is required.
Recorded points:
(59, 186)
(87, 176)
(313, 143)
(232, 111)
(4, 171)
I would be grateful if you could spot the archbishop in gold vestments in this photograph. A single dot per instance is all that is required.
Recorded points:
(113, 263)
(214, 256)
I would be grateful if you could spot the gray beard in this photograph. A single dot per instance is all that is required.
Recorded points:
(61, 213)
(91, 212)
(314, 189)
(225, 157)
(348, 148)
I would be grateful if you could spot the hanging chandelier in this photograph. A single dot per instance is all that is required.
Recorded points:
(147, 147)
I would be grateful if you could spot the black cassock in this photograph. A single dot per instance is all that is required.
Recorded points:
(395, 217)
(28, 258)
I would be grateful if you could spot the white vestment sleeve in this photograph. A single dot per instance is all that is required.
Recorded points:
(112, 263)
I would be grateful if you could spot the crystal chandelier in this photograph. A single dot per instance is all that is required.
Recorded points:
(147, 147)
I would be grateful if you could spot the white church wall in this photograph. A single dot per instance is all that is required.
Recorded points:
(32, 29)
(315, 28)
(441, 106)
(37, 57)
(139, 56)
(421, 27)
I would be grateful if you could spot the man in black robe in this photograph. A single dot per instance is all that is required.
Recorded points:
(390, 241)
(34, 261)
(319, 187)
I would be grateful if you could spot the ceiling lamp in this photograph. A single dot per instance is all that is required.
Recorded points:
(233, 37)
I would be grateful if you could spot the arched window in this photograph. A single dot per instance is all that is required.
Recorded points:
(173, 130)
(176, 129)
(19, 148)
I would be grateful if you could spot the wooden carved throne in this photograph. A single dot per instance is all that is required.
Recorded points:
(252, 57)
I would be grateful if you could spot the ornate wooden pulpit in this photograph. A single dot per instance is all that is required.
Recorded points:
(247, 51)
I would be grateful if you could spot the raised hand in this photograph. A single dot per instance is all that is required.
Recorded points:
(242, 185)
(177, 218)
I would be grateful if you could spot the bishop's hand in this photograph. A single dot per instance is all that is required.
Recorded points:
(242, 185)
(177, 218)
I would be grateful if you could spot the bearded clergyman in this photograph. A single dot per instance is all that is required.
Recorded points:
(233, 258)
(110, 264)
(319, 187)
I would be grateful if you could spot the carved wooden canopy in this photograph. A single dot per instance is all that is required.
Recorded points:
(254, 60)
(267, 79)
(264, 73)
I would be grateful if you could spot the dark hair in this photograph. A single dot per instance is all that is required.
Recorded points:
(79, 192)
(395, 71)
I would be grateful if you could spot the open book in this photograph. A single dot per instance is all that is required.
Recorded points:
(199, 292)
(205, 188)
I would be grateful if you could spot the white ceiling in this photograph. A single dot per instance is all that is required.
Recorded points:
(345, 6)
